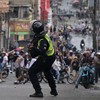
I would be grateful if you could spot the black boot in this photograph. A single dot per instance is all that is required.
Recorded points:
(54, 92)
(37, 94)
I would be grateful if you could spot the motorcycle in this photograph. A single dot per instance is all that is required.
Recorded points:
(5, 72)
(86, 76)
(82, 46)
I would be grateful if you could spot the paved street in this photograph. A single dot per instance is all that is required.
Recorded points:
(8, 91)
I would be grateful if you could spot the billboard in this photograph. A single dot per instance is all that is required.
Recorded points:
(20, 26)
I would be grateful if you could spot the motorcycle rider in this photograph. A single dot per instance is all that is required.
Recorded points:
(82, 44)
(86, 61)
(75, 66)
(41, 47)
(86, 58)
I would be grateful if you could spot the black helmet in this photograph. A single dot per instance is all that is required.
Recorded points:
(37, 27)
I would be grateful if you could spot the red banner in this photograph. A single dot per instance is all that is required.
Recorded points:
(45, 6)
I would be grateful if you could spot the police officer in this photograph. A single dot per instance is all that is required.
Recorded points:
(42, 48)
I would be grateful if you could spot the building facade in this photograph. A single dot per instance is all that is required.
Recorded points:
(21, 14)
(4, 9)
(15, 23)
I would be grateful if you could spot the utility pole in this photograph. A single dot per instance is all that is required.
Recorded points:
(94, 26)
(0, 28)
(8, 31)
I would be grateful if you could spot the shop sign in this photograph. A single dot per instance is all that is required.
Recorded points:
(20, 26)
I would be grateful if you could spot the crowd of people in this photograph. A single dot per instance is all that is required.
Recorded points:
(64, 50)
(67, 55)
(51, 57)
(55, 55)
(74, 59)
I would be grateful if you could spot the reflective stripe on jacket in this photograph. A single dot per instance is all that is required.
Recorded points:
(50, 50)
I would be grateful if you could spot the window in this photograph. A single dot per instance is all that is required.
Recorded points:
(16, 9)
(25, 12)
(14, 12)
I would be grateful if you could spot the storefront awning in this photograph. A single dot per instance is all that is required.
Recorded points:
(19, 33)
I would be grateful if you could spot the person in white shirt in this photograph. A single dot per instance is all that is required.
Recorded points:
(56, 66)
(5, 59)
(28, 65)
(19, 65)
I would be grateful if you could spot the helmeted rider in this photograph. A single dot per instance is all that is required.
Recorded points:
(86, 61)
(82, 44)
(42, 48)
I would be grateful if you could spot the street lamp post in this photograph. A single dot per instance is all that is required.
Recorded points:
(44, 12)
(98, 25)
(8, 32)
(0, 30)
(94, 26)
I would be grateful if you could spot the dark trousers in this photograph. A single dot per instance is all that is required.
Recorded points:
(42, 64)
(97, 72)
